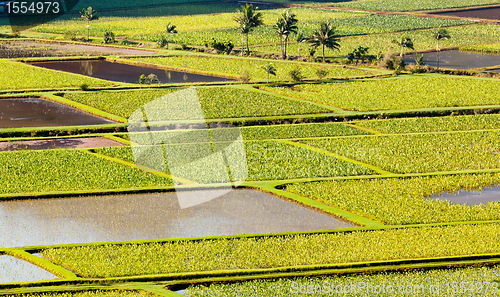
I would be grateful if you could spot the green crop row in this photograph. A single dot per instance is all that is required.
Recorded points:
(279, 251)
(410, 5)
(388, 94)
(436, 124)
(90, 293)
(265, 161)
(401, 201)
(237, 66)
(421, 152)
(17, 75)
(152, 26)
(67, 170)
(470, 281)
(345, 27)
(490, 48)
(217, 102)
(422, 40)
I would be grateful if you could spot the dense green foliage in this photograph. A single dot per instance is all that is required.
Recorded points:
(477, 281)
(298, 131)
(422, 40)
(17, 75)
(250, 253)
(409, 5)
(67, 170)
(399, 201)
(388, 94)
(236, 66)
(437, 124)
(419, 153)
(217, 102)
(491, 48)
(265, 161)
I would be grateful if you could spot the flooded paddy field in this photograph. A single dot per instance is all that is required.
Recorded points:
(492, 13)
(36, 112)
(45, 144)
(14, 270)
(473, 197)
(455, 59)
(151, 216)
(125, 73)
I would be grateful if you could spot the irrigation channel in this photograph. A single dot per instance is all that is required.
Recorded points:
(36, 112)
(120, 72)
(455, 59)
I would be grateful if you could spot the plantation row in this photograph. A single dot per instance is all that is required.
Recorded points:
(475, 280)
(421, 152)
(387, 94)
(401, 201)
(279, 251)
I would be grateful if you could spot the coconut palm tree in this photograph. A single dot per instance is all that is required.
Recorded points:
(247, 19)
(89, 15)
(440, 34)
(300, 38)
(405, 42)
(286, 24)
(270, 70)
(325, 37)
(170, 31)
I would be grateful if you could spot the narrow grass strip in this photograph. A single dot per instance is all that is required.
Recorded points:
(42, 263)
(340, 157)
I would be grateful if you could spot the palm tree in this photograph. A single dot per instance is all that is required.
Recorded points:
(300, 38)
(326, 37)
(286, 24)
(247, 19)
(440, 34)
(170, 31)
(270, 70)
(89, 15)
(405, 42)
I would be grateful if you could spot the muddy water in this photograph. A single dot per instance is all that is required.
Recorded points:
(473, 197)
(454, 59)
(34, 112)
(125, 73)
(484, 13)
(47, 144)
(151, 216)
(13, 270)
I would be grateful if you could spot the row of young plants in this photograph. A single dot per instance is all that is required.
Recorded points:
(216, 102)
(267, 33)
(412, 5)
(434, 124)
(265, 160)
(254, 68)
(469, 281)
(402, 201)
(16, 75)
(182, 256)
(68, 170)
(422, 40)
(418, 153)
(387, 94)
(152, 26)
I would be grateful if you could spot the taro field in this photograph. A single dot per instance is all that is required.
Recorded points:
(177, 148)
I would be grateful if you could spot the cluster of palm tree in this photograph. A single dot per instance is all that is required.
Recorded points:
(248, 18)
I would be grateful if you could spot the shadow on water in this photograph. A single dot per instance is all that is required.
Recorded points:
(151, 216)
(125, 73)
(35, 112)
(455, 59)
